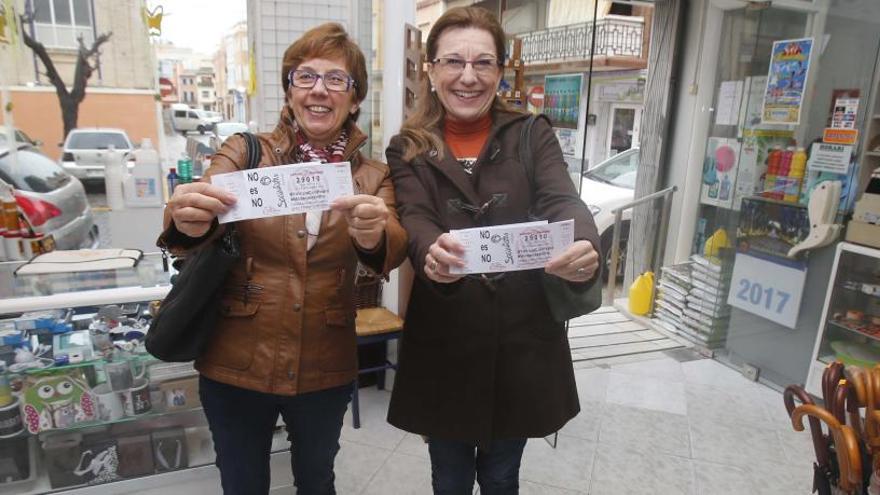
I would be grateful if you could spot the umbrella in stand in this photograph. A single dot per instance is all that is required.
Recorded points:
(863, 390)
(838, 401)
(830, 378)
(822, 473)
(848, 456)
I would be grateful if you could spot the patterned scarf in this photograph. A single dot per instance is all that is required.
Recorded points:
(332, 153)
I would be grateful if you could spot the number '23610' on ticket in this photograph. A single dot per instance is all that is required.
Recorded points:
(506, 248)
(284, 189)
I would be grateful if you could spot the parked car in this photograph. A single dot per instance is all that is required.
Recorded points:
(185, 119)
(213, 117)
(85, 150)
(605, 187)
(53, 201)
(20, 137)
(223, 130)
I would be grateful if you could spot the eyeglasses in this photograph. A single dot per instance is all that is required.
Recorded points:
(457, 65)
(335, 80)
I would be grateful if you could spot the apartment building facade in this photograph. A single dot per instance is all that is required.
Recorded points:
(124, 77)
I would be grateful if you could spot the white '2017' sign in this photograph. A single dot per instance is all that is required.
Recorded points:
(767, 289)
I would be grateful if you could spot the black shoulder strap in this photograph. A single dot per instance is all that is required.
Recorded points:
(526, 155)
(254, 150)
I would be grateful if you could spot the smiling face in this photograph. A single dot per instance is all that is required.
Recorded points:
(321, 113)
(466, 95)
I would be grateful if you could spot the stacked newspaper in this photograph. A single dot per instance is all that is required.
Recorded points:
(673, 288)
(691, 300)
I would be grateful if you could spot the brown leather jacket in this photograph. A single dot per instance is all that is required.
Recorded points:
(288, 314)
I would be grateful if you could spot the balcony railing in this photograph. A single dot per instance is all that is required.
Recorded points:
(615, 36)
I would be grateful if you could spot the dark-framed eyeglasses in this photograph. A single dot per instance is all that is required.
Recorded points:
(457, 65)
(334, 80)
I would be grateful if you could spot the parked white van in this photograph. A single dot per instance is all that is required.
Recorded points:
(185, 119)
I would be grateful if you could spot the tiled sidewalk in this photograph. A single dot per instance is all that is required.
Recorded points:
(663, 423)
(656, 426)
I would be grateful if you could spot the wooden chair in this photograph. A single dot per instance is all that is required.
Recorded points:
(374, 325)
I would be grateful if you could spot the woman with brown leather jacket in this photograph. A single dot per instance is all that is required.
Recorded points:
(286, 342)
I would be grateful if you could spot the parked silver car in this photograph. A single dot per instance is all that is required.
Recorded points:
(19, 136)
(53, 201)
(86, 149)
(223, 130)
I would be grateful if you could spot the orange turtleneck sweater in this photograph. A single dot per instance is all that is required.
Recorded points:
(466, 139)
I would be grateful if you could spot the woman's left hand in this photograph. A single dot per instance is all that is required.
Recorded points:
(578, 263)
(366, 216)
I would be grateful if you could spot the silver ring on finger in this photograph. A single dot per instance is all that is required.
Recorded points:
(582, 270)
(433, 266)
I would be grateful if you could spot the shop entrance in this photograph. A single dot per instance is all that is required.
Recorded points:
(623, 133)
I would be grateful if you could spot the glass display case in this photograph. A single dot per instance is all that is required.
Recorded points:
(81, 401)
(850, 328)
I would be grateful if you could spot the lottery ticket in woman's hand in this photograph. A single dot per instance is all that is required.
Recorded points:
(284, 189)
(512, 247)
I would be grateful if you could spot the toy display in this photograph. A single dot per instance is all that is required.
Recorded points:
(57, 401)
(84, 373)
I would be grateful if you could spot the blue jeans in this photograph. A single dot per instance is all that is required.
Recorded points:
(454, 465)
(242, 423)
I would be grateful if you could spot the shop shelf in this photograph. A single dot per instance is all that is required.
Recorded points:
(872, 153)
(152, 415)
(143, 359)
(857, 291)
(853, 330)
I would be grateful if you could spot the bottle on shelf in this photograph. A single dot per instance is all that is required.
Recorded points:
(796, 175)
(115, 172)
(184, 169)
(172, 180)
(143, 187)
(13, 239)
(772, 170)
(782, 174)
(8, 207)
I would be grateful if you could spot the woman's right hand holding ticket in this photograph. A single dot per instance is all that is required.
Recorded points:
(442, 254)
(194, 206)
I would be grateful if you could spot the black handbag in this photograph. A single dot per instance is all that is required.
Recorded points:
(182, 327)
(566, 300)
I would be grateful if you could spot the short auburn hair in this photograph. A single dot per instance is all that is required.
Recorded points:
(328, 40)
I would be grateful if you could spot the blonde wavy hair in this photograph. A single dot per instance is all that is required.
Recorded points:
(420, 131)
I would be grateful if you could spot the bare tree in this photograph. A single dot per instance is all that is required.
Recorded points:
(68, 99)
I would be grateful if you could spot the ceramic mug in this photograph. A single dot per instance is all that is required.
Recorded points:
(137, 399)
(10, 419)
(120, 375)
(110, 406)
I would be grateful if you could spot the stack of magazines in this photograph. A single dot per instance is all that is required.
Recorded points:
(691, 301)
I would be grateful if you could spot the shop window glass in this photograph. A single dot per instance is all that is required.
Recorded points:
(782, 76)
